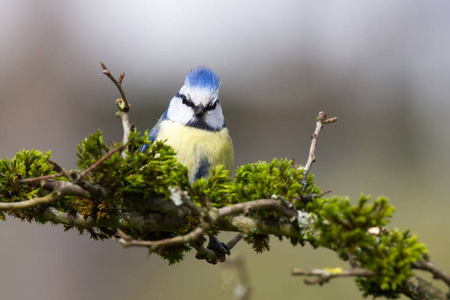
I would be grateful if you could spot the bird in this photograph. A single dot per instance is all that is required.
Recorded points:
(194, 126)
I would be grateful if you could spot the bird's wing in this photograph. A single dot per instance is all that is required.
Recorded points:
(155, 130)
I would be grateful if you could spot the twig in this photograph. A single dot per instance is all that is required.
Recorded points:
(320, 121)
(427, 265)
(235, 240)
(118, 82)
(60, 189)
(324, 275)
(50, 198)
(56, 167)
(128, 241)
(122, 103)
(34, 179)
(98, 162)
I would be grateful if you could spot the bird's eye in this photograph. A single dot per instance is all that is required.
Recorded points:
(185, 100)
(212, 105)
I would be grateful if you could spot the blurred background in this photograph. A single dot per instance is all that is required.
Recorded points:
(380, 66)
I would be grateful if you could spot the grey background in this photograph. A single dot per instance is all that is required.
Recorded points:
(380, 66)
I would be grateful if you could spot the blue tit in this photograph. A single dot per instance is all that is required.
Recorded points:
(193, 125)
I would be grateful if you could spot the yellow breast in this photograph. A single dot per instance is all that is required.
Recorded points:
(193, 144)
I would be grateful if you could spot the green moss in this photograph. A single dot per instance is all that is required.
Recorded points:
(343, 227)
(262, 180)
(217, 188)
(137, 176)
(25, 164)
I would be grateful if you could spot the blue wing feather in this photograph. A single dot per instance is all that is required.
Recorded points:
(154, 132)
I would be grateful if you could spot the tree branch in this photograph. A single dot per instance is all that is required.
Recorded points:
(414, 287)
(210, 217)
(324, 275)
(151, 222)
(418, 288)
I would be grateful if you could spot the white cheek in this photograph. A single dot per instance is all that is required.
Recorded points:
(215, 118)
(178, 112)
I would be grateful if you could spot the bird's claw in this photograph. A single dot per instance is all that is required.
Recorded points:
(219, 248)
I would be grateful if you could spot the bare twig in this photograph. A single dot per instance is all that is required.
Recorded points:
(427, 265)
(127, 240)
(34, 179)
(192, 236)
(125, 107)
(235, 240)
(50, 198)
(122, 103)
(324, 275)
(320, 121)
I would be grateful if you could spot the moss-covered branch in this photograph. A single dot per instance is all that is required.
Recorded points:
(149, 197)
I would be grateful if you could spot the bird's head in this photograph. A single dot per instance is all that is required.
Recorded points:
(197, 102)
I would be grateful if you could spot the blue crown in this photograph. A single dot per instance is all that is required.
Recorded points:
(203, 77)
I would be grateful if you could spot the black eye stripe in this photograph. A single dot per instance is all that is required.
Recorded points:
(211, 106)
(185, 100)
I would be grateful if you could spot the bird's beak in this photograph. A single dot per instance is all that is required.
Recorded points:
(199, 110)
